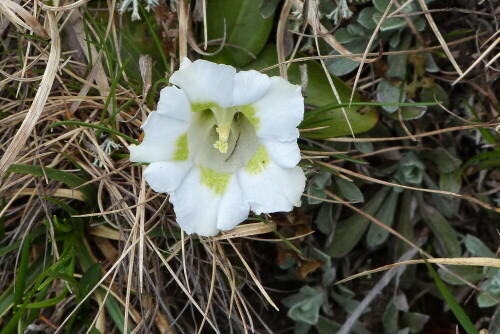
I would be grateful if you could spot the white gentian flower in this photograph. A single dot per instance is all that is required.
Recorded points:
(125, 4)
(223, 143)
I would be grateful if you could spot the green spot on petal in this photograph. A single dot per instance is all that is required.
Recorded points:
(249, 113)
(203, 106)
(258, 162)
(181, 148)
(214, 180)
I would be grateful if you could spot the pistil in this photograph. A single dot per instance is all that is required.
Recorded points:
(224, 118)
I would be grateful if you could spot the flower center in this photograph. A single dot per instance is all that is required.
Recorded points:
(224, 118)
(221, 139)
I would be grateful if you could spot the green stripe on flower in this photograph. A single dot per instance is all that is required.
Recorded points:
(259, 161)
(249, 112)
(214, 180)
(203, 106)
(181, 148)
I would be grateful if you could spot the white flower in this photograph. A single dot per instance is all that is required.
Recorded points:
(222, 144)
(125, 4)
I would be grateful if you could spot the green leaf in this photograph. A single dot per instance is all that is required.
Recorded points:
(305, 305)
(441, 228)
(268, 7)
(405, 226)
(492, 287)
(349, 231)
(471, 274)
(344, 65)
(324, 219)
(376, 234)
(327, 326)
(365, 17)
(415, 321)
(449, 182)
(476, 247)
(89, 280)
(435, 93)
(317, 188)
(246, 30)
(390, 318)
(445, 161)
(348, 190)
(457, 310)
(389, 93)
(54, 174)
(319, 93)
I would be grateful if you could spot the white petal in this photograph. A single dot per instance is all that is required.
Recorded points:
(233, 207)
(285, 154)
(196, 206)
(161, 134)
(279, 112)
(166, 176)
(249, 86)
(274, 189)
(174, 103)
(205, 82)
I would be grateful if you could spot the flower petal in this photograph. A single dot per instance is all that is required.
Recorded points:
(206, 83)
(285, 154)
(196, 206)
(174, 103)
(166, 176)
(271, 188)
(278, 113)
(249, 86)
(163, 136)
(233, 207)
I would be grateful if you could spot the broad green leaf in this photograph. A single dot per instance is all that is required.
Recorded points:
(246, 30)
(449, 182)
(376, 234)
(398, 63)
(408, 113)
(441, 228)
(442, 203)
(411, 169)
(345, 65)
(268, 7)
(445, 161)
(305, 305)
(324, 219)
(317, 188)
(388, 92)
(405, 226)
(327, 326)
(452, 303)
(472, 274)
(349, 231)
(415, 321)
(365, 17)
(319, 93)
(57, 175)
(476, 247)
(435, 93)
(390, 318)
(492, 287)
(348, 190)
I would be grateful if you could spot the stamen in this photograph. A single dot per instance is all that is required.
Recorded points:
(223, 131)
